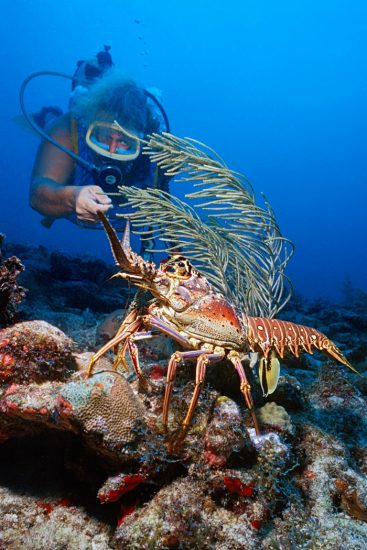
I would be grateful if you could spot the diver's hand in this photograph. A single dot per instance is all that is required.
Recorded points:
(88, 201)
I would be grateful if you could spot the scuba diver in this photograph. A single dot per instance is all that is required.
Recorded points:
(96, 146)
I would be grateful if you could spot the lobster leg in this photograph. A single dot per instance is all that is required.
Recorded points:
(134, 354)
(120, 356)
(202, 362)
(130, 318)
(176, 358)
(130, 345)
(125, 333)
(133, 350)
(245, 387)
(152, 321)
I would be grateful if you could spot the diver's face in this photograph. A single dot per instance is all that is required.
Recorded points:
(113, 141)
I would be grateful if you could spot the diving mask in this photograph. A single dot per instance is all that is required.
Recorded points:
(113, 141)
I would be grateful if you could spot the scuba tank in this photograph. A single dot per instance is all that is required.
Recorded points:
(88, 71)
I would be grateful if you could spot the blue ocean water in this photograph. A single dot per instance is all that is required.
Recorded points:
(276, 88)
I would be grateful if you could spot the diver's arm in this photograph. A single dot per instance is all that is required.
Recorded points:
(50, 193)
(52, 199)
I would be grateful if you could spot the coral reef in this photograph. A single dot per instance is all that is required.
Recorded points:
(34, 351)
(86, 406)
(11, 293)
(35, 524)
(60, 283)
(219, 444)
(84, 463)
(184, 515)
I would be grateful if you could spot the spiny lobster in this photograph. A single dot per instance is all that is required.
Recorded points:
(187, 308)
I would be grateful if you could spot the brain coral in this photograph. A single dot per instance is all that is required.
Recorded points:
(106, 405)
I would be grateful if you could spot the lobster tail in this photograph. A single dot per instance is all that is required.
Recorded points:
(333, 351)
(267, 336)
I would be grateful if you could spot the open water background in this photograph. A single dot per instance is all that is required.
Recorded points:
(278, 89)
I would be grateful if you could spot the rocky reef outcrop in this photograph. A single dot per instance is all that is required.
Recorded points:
(85, 462)
(11, 293)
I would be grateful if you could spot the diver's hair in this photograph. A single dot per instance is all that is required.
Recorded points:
(116, 97)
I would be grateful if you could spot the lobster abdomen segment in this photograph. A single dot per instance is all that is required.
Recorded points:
(266, 335)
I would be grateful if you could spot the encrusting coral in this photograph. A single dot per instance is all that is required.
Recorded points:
(183, 515)
(34, 351)
(276, 416)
